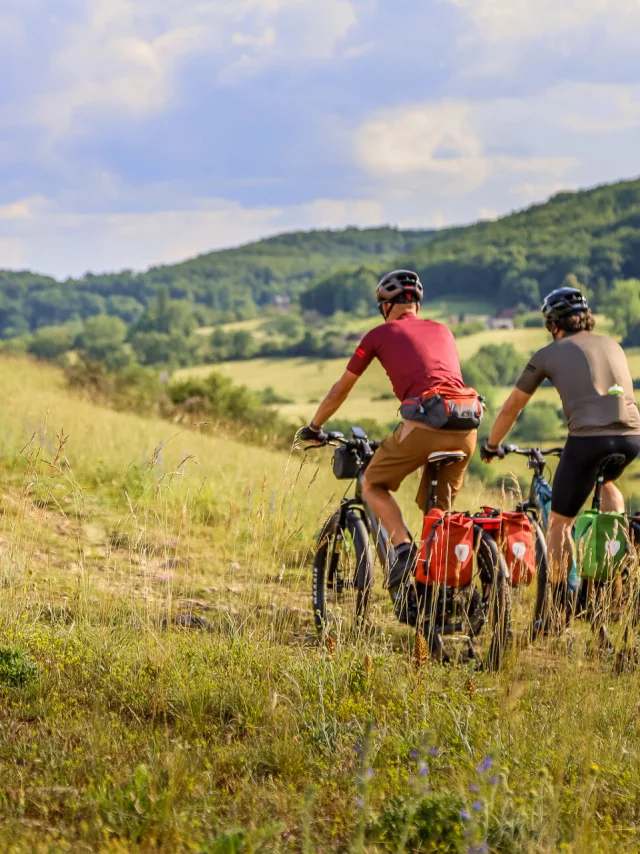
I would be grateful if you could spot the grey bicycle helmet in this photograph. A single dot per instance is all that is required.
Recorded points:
(562, 302)
(400, 286)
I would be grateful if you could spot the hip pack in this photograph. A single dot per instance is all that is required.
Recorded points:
(445, 408)
(446, 556)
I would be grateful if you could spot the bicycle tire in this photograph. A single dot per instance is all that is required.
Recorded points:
(328, 591)
(541, 608)
(483, 610)
(493, 571)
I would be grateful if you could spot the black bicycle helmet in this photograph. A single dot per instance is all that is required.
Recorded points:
(400, 286)
(562, 302)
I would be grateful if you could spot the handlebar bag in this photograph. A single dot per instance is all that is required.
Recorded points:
(602, 541)
(519, 546)
(446, 408)
(345, 463)
(446, 555)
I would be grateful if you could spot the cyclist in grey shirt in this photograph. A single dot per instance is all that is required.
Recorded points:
(592, 377)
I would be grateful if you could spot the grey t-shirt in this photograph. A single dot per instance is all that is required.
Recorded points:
(593, 380)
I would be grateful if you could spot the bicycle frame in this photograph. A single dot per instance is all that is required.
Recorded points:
(384, 547)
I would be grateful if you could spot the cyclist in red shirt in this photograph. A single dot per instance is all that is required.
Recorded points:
(418, 356)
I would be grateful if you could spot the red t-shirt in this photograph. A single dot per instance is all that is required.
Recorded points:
(416, 354)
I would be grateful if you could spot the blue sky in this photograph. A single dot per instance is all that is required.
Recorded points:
(136, 132)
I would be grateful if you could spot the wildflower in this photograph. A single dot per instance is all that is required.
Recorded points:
(413, 755)
(433, 751)
(359, 802)
(474, 787)
(464, 815)
(486, 764)
(477, 806)
(423, 769)
(358, 750)
(369, 773)
(493, 781)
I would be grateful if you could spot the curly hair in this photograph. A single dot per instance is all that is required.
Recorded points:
(581, 321)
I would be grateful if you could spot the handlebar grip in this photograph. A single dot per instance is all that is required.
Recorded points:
(510, 449)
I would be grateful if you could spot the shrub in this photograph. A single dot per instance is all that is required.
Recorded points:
(132, 389)
(435, 824)
(16, 668)
(538, 422)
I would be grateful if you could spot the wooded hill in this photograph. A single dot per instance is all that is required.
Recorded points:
(231, 281)
(594, 235)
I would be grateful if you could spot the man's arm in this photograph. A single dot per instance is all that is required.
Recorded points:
(335, 398)
(507, 417)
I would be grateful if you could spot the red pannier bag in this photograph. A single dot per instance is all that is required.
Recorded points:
(446, 556)
(513, 532)
(519, 545)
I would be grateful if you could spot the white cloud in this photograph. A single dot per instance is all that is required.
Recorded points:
(265, 39)
(442, 147)
(303, 31)
(600, 108)
(123, 56)
(436, 139)
(513, 20)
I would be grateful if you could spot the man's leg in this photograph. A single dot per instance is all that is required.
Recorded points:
(386, 509)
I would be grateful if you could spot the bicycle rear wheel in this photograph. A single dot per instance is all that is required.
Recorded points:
(496, 598)
(476, 619)
(342, 574)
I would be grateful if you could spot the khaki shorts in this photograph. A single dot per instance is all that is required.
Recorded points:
(408, 449)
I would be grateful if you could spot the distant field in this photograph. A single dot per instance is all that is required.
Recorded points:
(305, 381)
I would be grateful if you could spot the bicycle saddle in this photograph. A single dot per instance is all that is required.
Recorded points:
(444, 458)
(614, 462)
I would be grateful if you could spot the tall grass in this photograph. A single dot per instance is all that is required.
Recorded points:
(161, 687)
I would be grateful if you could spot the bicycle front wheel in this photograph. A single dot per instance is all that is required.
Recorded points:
(342, 574)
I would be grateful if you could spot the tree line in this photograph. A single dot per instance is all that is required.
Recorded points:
(589, 238)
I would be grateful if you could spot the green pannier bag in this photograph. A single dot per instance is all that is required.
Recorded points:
(602, 540)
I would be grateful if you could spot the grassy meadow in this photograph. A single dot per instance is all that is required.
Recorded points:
(162, 689)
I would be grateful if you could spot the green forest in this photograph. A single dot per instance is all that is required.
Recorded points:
(590, 238)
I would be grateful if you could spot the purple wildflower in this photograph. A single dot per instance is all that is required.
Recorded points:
(433, 751)
(474, 788)
(423, 768)
(413, 755)
(486, 764)
(464, 815)
(359, 802)
(477, 806)
(493, 781)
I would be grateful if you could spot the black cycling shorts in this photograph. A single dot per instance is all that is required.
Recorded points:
(579, 466)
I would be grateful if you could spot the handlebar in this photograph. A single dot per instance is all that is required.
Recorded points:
(532, 452)
(335, 438)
